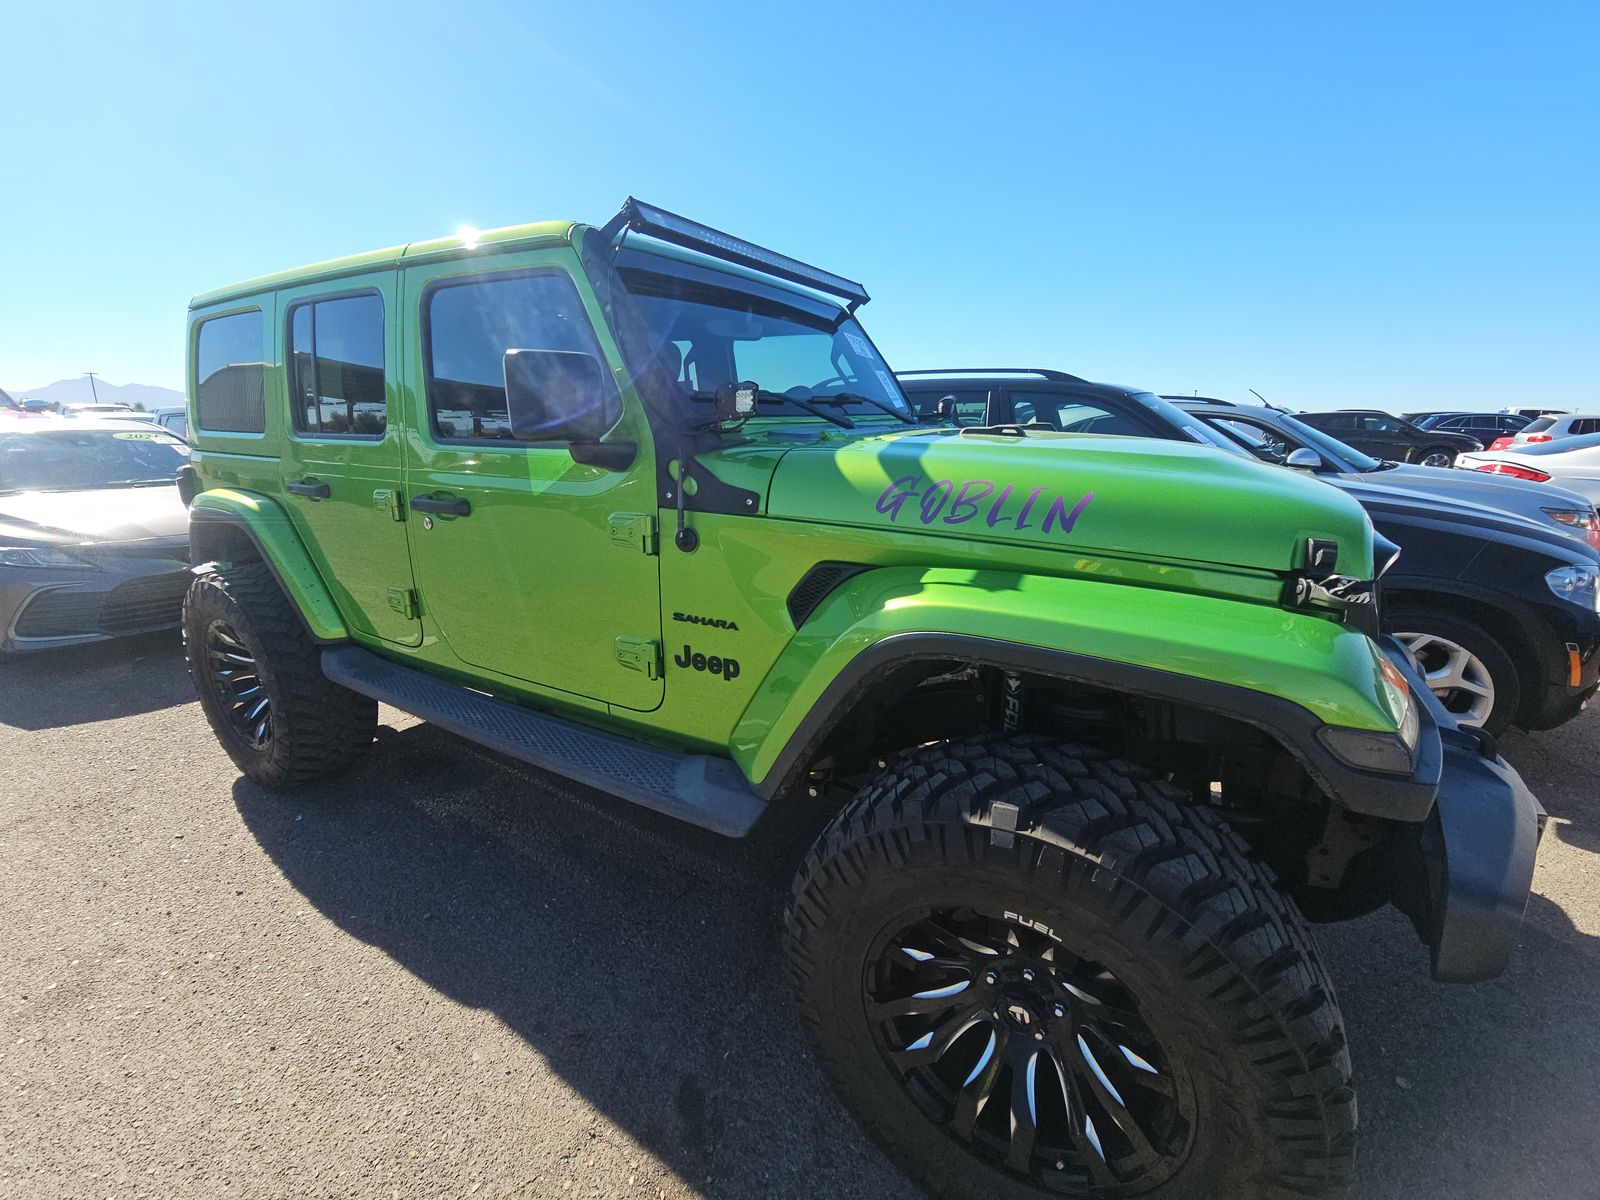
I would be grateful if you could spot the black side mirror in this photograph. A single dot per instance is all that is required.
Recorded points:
(556, 395)
(563, 395)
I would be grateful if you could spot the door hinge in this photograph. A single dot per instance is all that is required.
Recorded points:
(387, 500)
(637, 531)
(404, 602)
(640, 654)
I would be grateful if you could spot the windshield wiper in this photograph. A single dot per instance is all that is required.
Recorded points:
(765, 397)
(858, 398)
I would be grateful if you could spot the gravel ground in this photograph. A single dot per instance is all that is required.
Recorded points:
(444, 976)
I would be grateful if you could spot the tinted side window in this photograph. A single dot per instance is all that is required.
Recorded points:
(471, 325)
(1587, 425)
(229, 371)
(1072, 414)
(1331, 421)
(964, 406)
(336, 367)
(1380, 425)
(1270, 445)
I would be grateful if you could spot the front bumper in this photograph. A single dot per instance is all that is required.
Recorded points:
(1466, 870)
(1572, 639)
(129, 590)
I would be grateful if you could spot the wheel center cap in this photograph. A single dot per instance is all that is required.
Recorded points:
(1020, 1015)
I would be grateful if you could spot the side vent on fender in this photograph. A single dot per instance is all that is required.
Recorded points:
(817, 585)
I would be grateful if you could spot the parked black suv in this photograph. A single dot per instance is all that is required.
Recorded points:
(1483, 426)
(1387, 437)
(1479, 593)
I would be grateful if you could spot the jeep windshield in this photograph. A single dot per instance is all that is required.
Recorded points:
(708, 328)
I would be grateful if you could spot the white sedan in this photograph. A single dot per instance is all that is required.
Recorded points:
(1572, 463)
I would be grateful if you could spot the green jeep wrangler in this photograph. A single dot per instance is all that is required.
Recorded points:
(1070, 735)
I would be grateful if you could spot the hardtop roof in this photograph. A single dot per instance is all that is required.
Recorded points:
(509, 237)
(488, 241)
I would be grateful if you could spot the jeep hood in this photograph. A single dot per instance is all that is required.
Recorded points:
(1121, 496)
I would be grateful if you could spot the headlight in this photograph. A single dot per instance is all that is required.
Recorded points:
(1581, 520)
(1579, 585)
(39, 556)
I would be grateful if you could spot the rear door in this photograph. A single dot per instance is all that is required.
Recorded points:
(342, 460)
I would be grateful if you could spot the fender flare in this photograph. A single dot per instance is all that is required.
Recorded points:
(218, 517)
(1200, 651)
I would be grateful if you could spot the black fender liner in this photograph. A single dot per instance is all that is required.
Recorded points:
(1405, 798)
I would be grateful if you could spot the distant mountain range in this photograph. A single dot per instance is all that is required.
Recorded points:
(77, 391)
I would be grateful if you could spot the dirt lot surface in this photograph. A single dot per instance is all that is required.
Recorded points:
(441, 976)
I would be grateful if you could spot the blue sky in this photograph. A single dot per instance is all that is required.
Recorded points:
(1334, 204)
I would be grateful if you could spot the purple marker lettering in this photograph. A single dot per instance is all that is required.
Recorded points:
(965, 506)
(1058, 513)
(1022, 517)
(896, 494)
(933, 500)
(999, 502)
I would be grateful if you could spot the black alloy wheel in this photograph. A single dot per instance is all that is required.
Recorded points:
(234, 676)
(1037, 1059)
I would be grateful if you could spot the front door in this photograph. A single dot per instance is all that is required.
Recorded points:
(1384, 437)
(342, 462)
(529, 564)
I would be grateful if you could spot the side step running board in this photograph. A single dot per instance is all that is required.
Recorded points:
(699, 788)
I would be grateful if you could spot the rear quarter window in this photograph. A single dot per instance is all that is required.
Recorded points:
(230, 372)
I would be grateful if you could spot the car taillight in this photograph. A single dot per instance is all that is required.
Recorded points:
(1514, 471)
(1501, 443)
(1540, 437)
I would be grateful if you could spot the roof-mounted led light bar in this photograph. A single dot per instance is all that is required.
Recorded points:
(680, 231)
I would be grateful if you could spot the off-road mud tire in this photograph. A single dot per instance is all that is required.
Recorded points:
(316, 727)
(1123, 870)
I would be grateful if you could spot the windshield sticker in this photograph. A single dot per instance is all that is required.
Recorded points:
(858, 344)
(889, 388)
(942, 501)
(135, 435)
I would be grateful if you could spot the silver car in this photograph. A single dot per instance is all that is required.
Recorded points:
(94, 540)
(1572, 463)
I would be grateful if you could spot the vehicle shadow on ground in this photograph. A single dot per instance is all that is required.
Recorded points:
(78, 685)
(640, 958)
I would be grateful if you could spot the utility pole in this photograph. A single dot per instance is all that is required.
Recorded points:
(92, 390)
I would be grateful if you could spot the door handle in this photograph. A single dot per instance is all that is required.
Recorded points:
(453, 506)
(310, 487)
